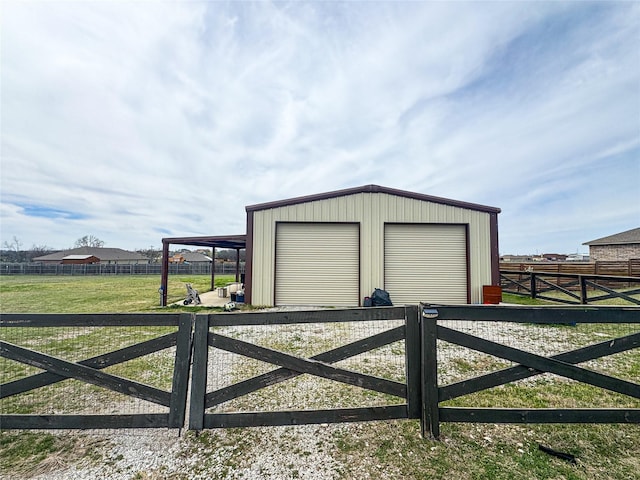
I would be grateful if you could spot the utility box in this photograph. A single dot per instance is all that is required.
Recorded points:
(491, 294)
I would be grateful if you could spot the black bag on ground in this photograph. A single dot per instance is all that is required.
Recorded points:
(380, 298)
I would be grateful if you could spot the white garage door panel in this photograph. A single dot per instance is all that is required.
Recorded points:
(317, 264)
(425, 263)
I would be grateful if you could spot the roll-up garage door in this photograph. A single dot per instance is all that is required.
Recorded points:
(425, 263)
(317, 264)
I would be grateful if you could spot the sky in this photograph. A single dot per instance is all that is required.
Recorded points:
(137, 120)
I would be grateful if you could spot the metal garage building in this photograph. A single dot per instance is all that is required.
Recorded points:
(335, 248)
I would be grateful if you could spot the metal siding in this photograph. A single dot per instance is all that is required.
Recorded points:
(426, 263)
(371, 210)
(317, 264)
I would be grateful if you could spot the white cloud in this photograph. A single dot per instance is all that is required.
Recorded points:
(172, 116)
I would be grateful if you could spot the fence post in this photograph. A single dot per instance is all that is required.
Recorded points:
(534, 293)
(583, 290)
(199, 372)
(430, 419)
(413, 359)
(181, 372)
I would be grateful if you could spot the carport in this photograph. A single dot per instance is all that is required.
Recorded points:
(234, 242)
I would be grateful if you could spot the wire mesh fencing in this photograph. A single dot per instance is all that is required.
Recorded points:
(88, 375)
(535, 389)
(308, 341)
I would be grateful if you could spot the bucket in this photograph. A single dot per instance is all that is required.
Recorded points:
(222, 292)
(240, 297)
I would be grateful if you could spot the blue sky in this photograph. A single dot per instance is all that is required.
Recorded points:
(133, 121)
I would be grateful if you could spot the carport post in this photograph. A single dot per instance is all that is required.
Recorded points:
(213, 269)
(164, 277)
(237, 265)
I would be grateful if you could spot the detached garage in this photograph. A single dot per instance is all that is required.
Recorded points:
(333, 249)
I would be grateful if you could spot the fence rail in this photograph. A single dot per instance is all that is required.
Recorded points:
(226, 268)
(571, 288)
(623, 268)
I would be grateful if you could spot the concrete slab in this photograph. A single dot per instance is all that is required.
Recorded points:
(209, 299)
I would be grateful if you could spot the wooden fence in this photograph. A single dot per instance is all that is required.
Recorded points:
(420, 331)
(57, 369)
(528, 364)
(571, 288)
(622, 268)
(319, 365)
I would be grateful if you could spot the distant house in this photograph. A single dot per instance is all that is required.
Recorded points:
(517, 258)
(80, 259)
(190, 257)
(554, 257)
(577, 257)
(110, 256)
(196, 258)
(621, 246)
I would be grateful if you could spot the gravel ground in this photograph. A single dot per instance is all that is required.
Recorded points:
(282, 453)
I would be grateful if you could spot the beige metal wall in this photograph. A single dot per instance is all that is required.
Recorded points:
(372, 211)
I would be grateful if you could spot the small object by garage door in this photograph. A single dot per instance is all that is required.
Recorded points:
(380, 298)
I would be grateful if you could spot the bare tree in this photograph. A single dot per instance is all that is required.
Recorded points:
(153, 254)
(13, 250)
(229, 255)
(89, 241)
(38, 251)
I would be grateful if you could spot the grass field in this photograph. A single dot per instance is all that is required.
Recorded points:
(377, 450)
(95, 294)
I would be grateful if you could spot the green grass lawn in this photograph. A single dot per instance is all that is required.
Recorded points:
(525, 300)
(95, 294)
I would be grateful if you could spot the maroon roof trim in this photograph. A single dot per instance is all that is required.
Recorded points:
(371, 189)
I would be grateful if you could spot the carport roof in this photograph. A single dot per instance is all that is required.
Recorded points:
(219, 241)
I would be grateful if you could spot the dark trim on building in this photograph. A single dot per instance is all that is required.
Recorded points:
(495, 250)
(371, 189)
(467, 245)
(248, 260)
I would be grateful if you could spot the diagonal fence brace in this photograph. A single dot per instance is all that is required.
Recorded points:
(98, 362)
(538, 362)
(279, 375)
(305, 365)
(519, 372)
(86, 374)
